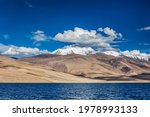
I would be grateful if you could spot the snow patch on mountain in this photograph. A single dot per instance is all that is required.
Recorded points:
(112, 53)
(136, 54)
(74, 50)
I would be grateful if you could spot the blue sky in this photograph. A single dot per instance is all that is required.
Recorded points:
(21, 19)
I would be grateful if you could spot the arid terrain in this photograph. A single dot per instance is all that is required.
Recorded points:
(74, 68)
(12, 70)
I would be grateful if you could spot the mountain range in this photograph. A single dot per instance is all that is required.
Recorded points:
(76, 65)
(93, 66)
(13, 70)
(88, 50)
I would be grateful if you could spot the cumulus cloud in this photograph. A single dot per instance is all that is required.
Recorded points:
(14, 51)
(39, 35)
(110, 32)
(101, 38)
(144, 29)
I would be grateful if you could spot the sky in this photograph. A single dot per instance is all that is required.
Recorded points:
(29, 27)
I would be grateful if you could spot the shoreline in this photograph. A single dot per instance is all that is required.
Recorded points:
(105, 82)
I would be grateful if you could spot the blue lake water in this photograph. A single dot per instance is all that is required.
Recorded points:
(91, 91)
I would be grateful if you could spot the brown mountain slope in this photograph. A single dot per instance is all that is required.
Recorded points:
(93, 66)
(12, 70)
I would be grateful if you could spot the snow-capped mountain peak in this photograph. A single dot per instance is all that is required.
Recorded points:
(112, 53)
(135, 54)
(74, 50)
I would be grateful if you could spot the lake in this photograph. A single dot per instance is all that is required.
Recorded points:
(75, 91)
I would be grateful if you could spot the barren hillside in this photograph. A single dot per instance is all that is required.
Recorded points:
(93, 66)
(12, 70)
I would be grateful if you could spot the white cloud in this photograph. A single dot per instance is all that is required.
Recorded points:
(144, 29)
(91, 38)
(14, 51)
(39, 36)
(110, 32)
